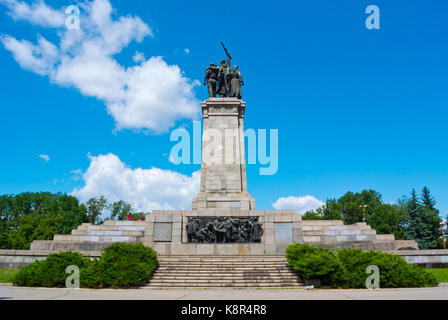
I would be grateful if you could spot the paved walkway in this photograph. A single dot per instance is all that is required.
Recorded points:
(11, 292)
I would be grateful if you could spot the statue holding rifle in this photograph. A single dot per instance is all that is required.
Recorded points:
(222, 80)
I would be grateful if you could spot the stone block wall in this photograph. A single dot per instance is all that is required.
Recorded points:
(165, 231)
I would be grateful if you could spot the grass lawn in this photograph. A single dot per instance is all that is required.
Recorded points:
(440, 274)
(7, 275)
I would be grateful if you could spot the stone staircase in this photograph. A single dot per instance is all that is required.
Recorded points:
(89, 237)
(255, 271)
(333, 234)
(335, 231)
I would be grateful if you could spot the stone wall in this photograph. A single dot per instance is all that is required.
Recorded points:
(16, 259)
(165, 231)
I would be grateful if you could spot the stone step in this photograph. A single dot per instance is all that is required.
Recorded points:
(216, 281)
(222, 264)
(93, 227)
(221, 257)
(124, 223)
(217, 269)
(224, 271)
(249, 260)
(174, 286)
(105, 238)
(231, 277)
(221, 285)
(218, 257)
(220, 274)
(136, 233)
(322, 223)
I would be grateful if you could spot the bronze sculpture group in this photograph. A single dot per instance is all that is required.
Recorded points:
(222, 80)
(224, 230)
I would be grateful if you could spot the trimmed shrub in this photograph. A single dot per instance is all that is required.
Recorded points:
(122, 265)
(348, 270)
(395, 272)
(313, 262)
(50, 272)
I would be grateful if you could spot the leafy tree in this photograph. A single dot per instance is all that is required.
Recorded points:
(120, 210)
(138, 216)
(95, 208)
(37, 216)
(388, 219)
(348, 207)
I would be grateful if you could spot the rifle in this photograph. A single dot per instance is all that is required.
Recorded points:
(229, 58)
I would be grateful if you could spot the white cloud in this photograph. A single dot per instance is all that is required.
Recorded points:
(38, 13)
(187, 51)
(76, 174)
(138, 57)
(146, 189)
(38, 58)
(299, 204)
(150, 95)
(44, 157)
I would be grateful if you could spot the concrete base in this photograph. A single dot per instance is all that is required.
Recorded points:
(16, 259)
(165, 231)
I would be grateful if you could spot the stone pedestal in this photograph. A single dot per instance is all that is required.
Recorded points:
(223, 169)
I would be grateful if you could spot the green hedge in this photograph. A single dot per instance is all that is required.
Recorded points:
(346, 268)
(50, 272)
(121, 265)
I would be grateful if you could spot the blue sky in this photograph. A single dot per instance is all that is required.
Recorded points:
(355, 108)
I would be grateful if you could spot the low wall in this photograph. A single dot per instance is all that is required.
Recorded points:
(425, 258)
(16, 259)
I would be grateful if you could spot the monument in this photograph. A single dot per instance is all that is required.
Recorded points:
(223, 219)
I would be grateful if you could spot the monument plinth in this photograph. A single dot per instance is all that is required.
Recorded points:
(223, 169)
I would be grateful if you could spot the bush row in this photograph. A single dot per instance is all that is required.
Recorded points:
(121, 265)
(346, 268)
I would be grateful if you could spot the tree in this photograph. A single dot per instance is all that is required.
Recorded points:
(95, 208)
(348, 207)
(120, 210)
(423, 221)
(388, 219)
(427, 199)
(37, 216)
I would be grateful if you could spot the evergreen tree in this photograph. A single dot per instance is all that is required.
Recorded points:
(444, 226)
(412, 208)
(427, 199)
(423, 221)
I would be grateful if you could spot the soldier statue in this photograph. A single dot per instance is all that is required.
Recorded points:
(192, 227)
(211, 77)
(223, 81)
(236, 81)
(223, 74)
